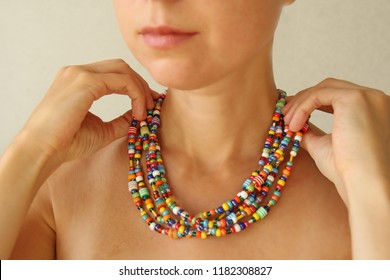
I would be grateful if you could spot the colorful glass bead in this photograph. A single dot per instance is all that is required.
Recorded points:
(164, 215)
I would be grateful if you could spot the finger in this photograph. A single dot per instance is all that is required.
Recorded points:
(337, 83)
(122, 84)
(310, 100)
(290, 101)
(148, 91)
(118, 66)
(118, 127)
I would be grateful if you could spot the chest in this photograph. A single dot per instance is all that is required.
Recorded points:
(110, 227)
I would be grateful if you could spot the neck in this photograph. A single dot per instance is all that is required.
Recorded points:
(221, 122)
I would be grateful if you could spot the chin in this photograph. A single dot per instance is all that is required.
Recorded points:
(177, 75)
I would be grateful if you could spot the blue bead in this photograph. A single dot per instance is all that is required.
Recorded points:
(235, 204)
(266, 208)
(171, 222)
(242, 226)
(220, 210)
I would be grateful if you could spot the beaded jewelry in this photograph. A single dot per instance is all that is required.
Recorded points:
(164, 215)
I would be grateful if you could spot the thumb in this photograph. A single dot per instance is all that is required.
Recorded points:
(118, 127)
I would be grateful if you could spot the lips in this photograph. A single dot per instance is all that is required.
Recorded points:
(164, 37)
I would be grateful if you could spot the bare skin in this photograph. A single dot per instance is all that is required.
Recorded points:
(85, 212)
(213, 125)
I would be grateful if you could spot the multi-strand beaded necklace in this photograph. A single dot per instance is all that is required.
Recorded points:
(163, 214)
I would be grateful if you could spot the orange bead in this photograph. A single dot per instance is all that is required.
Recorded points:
(248, 211)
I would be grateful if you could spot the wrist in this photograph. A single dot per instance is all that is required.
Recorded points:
(36, 159)
(369, 213)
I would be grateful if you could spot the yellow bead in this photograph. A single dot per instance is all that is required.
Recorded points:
(203, 235)
(225, 206)
(169, 200)
(280, 152)
(256, 216)
(204, 214)
(161, 209)
(143, 213)
(181, 229)
(211, 224)
(255, 174)
(149, 206)
(268, 167)
(218, 233)
(282, 183)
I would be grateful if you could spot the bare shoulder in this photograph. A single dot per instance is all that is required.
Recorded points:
(315, 200)
(63, 201)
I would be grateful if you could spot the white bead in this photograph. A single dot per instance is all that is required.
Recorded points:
(131, 151)
(183, 214)
(152, 225)
(143, 123)
(175, 210)
(139, 179)
(156, 173)
(298, 137)
(271, 178)
(293, 153)
(156, 112)
(247, 202)
(132, 185)
(266, 155)
(243, 194)
(237, 228)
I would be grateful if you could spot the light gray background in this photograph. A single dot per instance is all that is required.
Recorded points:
(347, 39)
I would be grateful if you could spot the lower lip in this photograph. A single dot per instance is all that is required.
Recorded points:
(167, 41)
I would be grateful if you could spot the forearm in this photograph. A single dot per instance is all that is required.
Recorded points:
(23, 169)
(369, 215)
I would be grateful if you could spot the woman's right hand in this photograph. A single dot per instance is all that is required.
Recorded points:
(62, 127)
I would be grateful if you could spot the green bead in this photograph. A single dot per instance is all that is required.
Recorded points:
(144, 193)
(262, 212)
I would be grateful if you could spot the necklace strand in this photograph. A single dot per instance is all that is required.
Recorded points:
(164, 215)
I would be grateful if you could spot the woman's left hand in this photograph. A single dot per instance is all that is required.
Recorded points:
(360, 136)
(355, 156)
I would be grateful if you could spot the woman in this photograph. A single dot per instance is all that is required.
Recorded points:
(71, 200)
